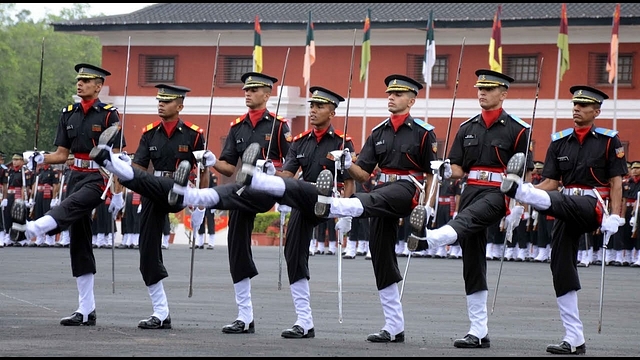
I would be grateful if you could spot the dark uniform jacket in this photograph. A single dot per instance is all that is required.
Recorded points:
(242, 134)
(313, 156)
(164, 152)
(79, 132)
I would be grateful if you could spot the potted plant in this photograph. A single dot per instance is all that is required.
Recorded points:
(174, 221)
(266, 228)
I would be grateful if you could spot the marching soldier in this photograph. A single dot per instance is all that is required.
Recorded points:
(481, 148)
(4, 240)
(209, 220)
(631, 196)
(590, 161)
(60, 193)
(80, 126)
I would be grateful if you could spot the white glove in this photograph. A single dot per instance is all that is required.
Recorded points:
(36, 157)
(209, 158)
(197, 216)
(4, 203)
(348, 161)
(526, 216)
(430, 212)
(514, 218)
(30, 203)
(124, 157)
(269, 168)
(213, 211)
(447, 169)
(344, 224)
(139, 208)
(117, 203)
(54, 203)
(610, 224)
(534, 215)
(284, 208)
(455, 213)
(632, 221)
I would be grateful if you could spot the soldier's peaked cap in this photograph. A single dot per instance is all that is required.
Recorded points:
(635, 165)
(17, 156)
(402, 83)
(171, 92)
(88, 71)
(584, 94)
(324, 96)
(489, 78)
(256, 79)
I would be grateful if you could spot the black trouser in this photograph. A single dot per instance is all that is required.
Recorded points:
(384, 205)
(519, 237)
(575, 215)
(543, 233)
(41, 205)
(359, 230)
(480, 207)
(243, 209)
(622, 239)
(210, 221)
(154, 192)
(84, 191)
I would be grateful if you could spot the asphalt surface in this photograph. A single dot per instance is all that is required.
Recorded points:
(37, 290)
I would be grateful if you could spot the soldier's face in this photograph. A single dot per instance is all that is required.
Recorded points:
(88, 88)
(584, 114)
(169, 109)
(399, 102)
(491, 98)
(320, 115)
(256, 98)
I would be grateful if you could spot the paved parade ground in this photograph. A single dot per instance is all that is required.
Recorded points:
(37, 289)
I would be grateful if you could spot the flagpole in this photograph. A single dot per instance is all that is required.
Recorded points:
(555, 107)
(306, 113)
(426, 105)
(615, 99)
(364, 105)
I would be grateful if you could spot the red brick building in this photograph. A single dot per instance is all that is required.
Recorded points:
(176, 43)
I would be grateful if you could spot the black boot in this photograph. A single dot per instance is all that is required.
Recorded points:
(180, 178)
(564, 348)
(249, 159)
(515, 171)
(297, 332)
(155, 323)
(239, 327)
(324, 184)
(76, 319)
(108, 137)
(471, 341)
(384, 337)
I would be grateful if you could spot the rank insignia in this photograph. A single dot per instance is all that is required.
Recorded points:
(183, 148)
(96, 127)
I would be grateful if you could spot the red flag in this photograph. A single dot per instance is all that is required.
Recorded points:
(612, 61)
(495, 44)
(563, 41)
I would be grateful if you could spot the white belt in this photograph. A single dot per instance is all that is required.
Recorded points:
(168, 174)
(445, 199)
(393, 177)
(85, 164)
(485, 175)
(579, 192)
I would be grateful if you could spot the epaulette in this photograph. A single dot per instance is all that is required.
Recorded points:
(70, 107)
(520, 121)
(301, 135)
(238, 120)
(382, 123)
(423, 124)
(560, 134)
(606, 132)
(469, 119)
(105, 106)
(151, 126)
(193, 126)
(277, 117)
(339, 133)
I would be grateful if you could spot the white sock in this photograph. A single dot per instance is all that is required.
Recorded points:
(392, 309)
(302, 302)
(86, 299)
(270, 184)
(207, 197)
(442, 236)
(40, 227)
(341, 207)
(243, 300)
(528, 194)
(159, 301)
(120, 168)
(568, 306)
(477, 310)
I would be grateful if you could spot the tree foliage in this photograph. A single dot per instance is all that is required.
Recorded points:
(21, 40)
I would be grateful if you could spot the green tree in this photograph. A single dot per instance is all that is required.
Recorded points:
(21, 40)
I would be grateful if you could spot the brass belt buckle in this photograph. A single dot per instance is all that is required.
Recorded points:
(84, 164)
(577, 192)
(483, 175)
(167, 174)
(393, 177)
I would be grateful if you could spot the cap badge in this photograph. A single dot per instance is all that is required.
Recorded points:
(395, 82)
(482, 77)
(249, 78)
(315, 92)
(579, 93)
